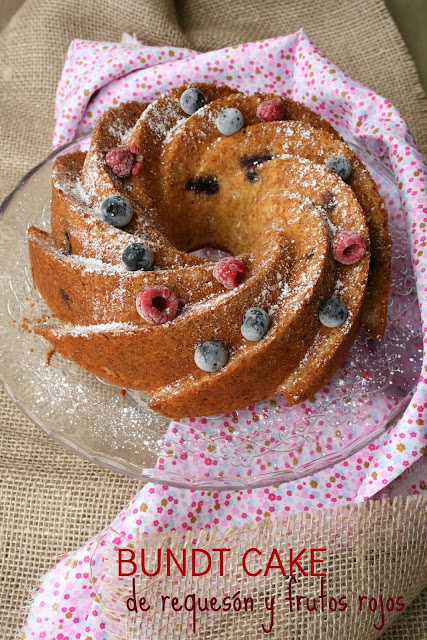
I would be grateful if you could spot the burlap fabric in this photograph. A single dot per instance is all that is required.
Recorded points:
(355, 566)
(51, 500)
(359, 36)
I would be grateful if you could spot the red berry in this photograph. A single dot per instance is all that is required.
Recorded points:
(120, 160)
(271, 110)
(348, 247)
(136, 168)
(124, 161)
(157, 304)
(230, 272)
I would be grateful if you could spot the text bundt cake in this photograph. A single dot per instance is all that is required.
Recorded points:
(261, 177)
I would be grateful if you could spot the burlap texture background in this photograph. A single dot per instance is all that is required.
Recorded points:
(365, 553)
(52, 501)
(359, 36)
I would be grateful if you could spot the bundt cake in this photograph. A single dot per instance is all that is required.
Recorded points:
(259, 177)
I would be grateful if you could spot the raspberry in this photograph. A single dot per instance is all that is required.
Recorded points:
(123, 160)
(157, 304)
(230, 272)
(136, 168)
(348, 247)
(271, 110)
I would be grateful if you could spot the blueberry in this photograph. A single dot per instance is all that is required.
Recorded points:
(229, 121)
(255, 324)
(203, 184)
(192, 100)
(340, 165)
(211, 356)
(332, 312)
(138, 257)
(117, 211)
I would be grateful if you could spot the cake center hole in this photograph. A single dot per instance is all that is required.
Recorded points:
(159, 303)
(213, 254)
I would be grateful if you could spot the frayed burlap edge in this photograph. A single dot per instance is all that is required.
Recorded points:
(48, 496)
(366, 555)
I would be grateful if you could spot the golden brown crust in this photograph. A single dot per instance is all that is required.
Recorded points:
(88, 291)
(268, 207)
(204, 152)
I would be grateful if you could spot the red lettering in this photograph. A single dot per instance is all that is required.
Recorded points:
(193, 559)
(372, 604)
(390, 607)
(221, 560)
(169, 556)
(292, 580)
(128, 560)
(293, 561)
(274, 555)
(314, 560)
(132, 602)
(400, 605)
(245, 569)
(175, 604)
(157, 571)
(332, 604)
(269, 607)
(191, 607)
(311, 608)
(213, 602)
(381, 626)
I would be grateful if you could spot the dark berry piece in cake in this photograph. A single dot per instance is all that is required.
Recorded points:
(157, 304)
(138, 257)
(348, 247)
(203, 184)
(68, 248)
(252, 175)
(230, 272)
(340, 165)
(249, 164)
(255, 324)
(211, 356)
(329, 201)
(66, 298)
(192, 100)
(229, 121)
(271, 110)
(117, 211)
(332, 312)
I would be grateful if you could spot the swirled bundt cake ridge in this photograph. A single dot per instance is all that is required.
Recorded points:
(207, 166)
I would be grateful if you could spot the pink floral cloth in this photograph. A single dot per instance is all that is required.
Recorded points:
(99, 75)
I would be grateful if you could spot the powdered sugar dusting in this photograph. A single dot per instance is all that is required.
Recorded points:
(287, 190)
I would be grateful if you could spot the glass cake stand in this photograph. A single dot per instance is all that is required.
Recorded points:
(264, 444)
